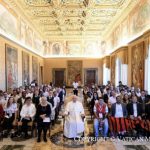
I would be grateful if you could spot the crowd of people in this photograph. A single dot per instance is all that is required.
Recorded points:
(32, 104)
(123, 104)
(40, 105)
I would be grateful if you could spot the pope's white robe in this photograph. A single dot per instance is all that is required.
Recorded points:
(74, 125)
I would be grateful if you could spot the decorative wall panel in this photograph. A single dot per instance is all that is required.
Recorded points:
(25, 68)
(74, 72)
(11, 67)
(137, 65)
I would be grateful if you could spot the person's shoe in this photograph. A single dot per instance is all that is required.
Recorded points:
(45, 140)
(38, 140)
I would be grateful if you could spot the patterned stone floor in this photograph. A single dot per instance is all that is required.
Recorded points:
(31, 144)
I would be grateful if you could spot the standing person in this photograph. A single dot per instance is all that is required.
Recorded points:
(74, 114)
(53, 105)
(43, 118)
(75, 88)
(56, 104)
(36, 98)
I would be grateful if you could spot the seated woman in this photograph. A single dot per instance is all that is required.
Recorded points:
(43, 118)
(27, 114)
(10, 114)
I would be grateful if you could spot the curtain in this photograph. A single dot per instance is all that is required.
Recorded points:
(147, 66)
(106, 74)
(124, 74)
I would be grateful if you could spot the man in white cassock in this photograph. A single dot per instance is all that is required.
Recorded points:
(74, 118)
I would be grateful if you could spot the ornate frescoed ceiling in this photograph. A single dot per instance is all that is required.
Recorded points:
(75, 19)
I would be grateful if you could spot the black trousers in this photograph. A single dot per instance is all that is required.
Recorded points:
(42, 126)
(8, 123)
(75, 92)
(24, 127)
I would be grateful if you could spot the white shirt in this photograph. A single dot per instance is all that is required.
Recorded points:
(138, 94)
(112, 100)
(28, 111)
(56, 101)
(119, 111)
(29, 95)
(11, 109)
(135, 109)
(3, 102)
(106, 109)
(75, 85)
(74, 125)
(45, 94)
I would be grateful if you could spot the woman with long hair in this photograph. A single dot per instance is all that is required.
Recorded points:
(10, 114)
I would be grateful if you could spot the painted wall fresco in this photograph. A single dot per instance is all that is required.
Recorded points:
(136, 22)
(22, 31)
(25, 68)
(139, 17)
(138, 65)
(35, 68)
(11, 67)
(19, 29)
(29, 36)
(74, 72)
(72, 48)
(8, 23)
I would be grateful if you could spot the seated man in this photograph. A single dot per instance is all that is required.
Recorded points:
(27, 113)
(119, 110)
(135, 112)
(100, 121)
(74, 113)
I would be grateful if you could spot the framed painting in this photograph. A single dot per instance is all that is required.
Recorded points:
(25, 68)
(35, 70)
(11, 67)
(74, 72)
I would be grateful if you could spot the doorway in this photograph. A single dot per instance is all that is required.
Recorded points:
(59, 76)
(90, 76)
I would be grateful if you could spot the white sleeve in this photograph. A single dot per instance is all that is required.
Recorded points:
(106, 109)
(33, 111)
(94, 109)
(22, 113)
(82, 109)
(55, 103)
(66, 109)
(15, 107)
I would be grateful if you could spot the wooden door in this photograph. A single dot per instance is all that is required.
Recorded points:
(59, 77)
(90, 76)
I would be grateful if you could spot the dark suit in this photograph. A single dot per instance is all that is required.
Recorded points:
(143, 103)
(113, 110)
(147, 111)
(131, 110)
(105, 98)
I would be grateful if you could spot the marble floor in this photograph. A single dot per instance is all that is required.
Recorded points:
(62, 144)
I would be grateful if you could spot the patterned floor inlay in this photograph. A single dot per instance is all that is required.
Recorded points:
(59, 140)
(136, 147)
(12, 147)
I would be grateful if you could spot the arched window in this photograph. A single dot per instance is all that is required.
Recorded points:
(147, 71)
(118, 71)
(106, 74)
